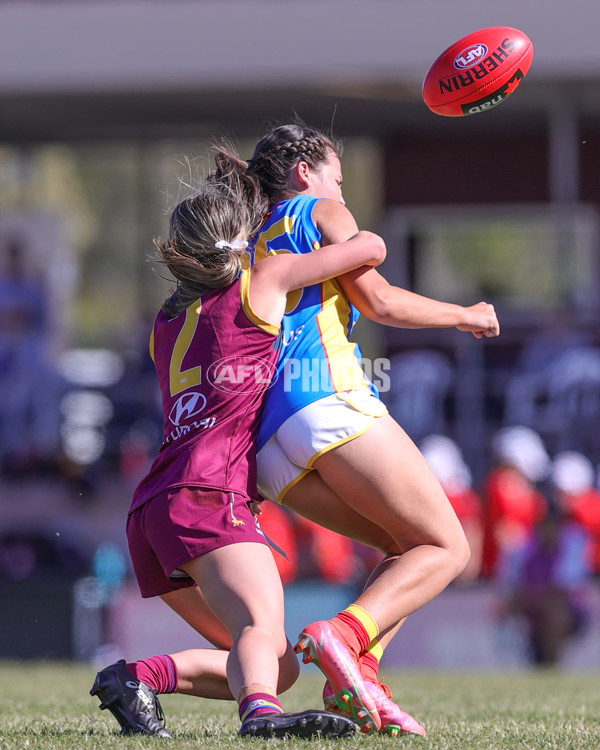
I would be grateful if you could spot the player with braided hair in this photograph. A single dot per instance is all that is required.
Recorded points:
(193, 535)
(284, 146)
(328, 449)
(383, 493)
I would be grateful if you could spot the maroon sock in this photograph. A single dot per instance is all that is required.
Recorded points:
(259, 703)
(158, 672)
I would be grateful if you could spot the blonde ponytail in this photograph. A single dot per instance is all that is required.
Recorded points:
(209, 230)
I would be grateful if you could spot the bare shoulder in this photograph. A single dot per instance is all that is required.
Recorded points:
(334, 221)
(327, 209)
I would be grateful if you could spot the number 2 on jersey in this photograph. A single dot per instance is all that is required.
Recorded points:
(180, 379)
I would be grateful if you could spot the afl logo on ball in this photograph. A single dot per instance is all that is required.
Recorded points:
(470, 56)
(186, 407)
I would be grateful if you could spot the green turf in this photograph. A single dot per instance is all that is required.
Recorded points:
(47, 705)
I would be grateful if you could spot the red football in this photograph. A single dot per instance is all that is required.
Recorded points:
(478, 72)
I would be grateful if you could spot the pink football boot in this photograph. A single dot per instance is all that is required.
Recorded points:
(394, 721)
(321, 645)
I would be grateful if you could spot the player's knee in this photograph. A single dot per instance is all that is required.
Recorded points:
(461, 554)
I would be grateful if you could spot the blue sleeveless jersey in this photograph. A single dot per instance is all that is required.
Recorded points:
(316, 358)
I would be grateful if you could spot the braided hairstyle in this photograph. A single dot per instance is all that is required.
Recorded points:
(227, 206)
(282, 148)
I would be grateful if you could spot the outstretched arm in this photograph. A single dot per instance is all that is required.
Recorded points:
(394, 306)
(390, 305)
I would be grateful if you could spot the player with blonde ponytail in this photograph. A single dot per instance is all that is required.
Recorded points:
(193, 535)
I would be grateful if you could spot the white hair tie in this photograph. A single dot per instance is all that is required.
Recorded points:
(235, 245)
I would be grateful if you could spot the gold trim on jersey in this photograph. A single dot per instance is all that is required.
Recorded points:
(333, 322)
(247, 307)
(285, 225)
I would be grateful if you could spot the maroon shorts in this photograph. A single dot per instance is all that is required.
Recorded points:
(180, 525)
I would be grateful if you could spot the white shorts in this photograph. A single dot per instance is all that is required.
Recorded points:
(310, 432)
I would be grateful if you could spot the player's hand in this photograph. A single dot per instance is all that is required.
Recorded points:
(481, 320)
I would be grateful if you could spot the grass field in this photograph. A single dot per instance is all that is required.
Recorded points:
(47, 705)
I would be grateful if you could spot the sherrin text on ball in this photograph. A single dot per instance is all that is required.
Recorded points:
(478, 72)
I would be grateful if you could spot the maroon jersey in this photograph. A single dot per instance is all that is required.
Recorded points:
(214, 362)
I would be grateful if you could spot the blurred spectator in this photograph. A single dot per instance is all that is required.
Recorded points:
(422, 381)
(548, 594)
(41, 555)
(446, 459)
(110, 567)
(555, 387)
(559, 335)
(513, 503)
(578, 499)
(526, 392)
(29, 408)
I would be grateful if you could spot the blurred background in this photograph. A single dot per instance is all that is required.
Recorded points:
(105, 104)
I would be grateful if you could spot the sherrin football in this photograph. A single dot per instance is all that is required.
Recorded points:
(478, 72)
